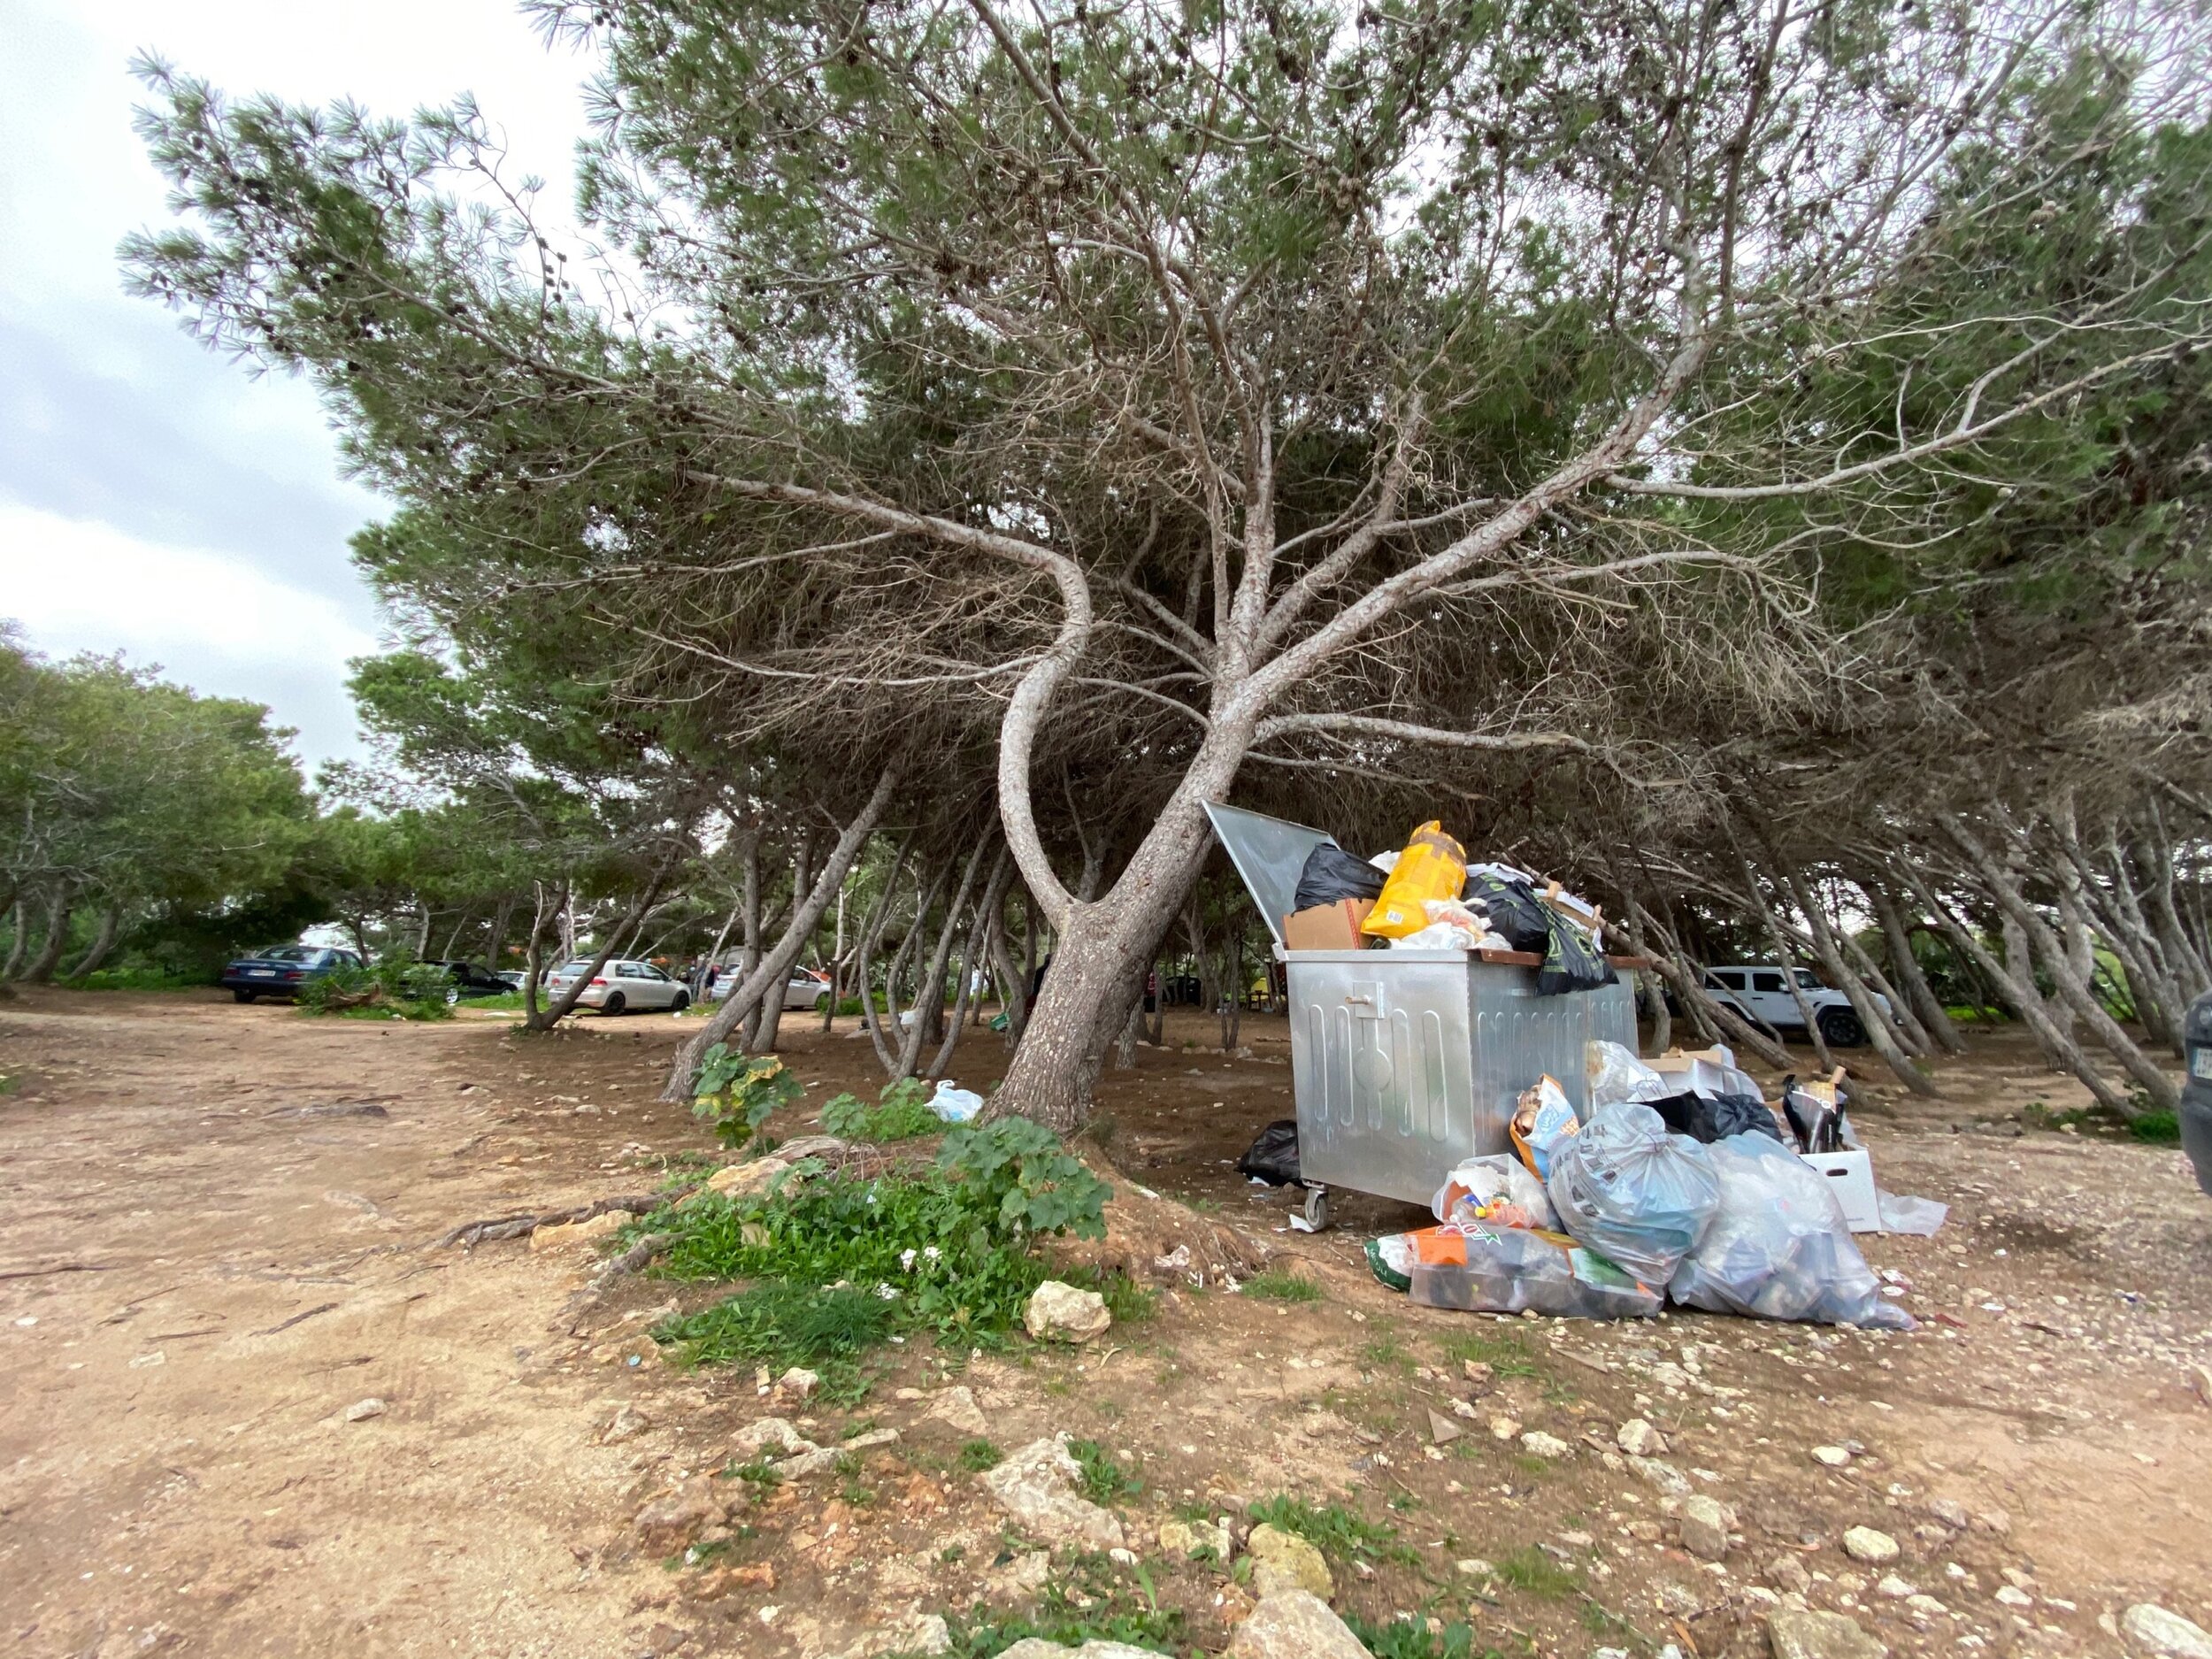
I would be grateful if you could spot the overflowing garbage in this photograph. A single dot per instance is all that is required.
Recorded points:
(1682, 1184)
(1427, 896)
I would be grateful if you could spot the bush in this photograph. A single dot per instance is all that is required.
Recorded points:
(1334, 1530)
(2159, 1129)
(903, 1114)
(396, 985)
(737, 1093)
(148, 978)
(1409, 1638)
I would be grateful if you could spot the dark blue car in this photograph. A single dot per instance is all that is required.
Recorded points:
(2196, 1092)
(281, 969)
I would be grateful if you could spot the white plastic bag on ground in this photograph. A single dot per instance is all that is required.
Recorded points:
(953, 1103)
(1615, 1074)
(1634, 1193)
(1471, 1192)
(1777, 1246)
(1920, 1216)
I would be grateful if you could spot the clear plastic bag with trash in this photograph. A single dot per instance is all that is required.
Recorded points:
(953, 1103)
(1496, 1189)
(1634, 1193)
(1612, 1074)
(1509, 1270)
(1777, 1246)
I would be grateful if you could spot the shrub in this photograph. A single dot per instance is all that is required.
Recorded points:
(395, 985)
(1021, 1169)
(737, 1093)
(1334, 1530)
(1407, 1638)
(1280, 1284)
(2159, 1129)
(903, 1113)
(1105, 1481)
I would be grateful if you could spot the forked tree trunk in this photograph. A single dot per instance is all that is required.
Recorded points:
(19, 938)
(533, 966)
(929, 998)
(102, 942)
(1787, 959)
(41, 967)
(1935, 1019)
(1875, 1023)
(983, 915)
(761, 1037)
(685, 1068)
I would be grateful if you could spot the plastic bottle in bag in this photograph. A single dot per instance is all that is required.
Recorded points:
(1507, 1269)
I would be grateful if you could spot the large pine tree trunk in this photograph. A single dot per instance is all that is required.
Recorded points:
(102, 942)
(1935, 1019)
(1876, 1023)
(41, 967)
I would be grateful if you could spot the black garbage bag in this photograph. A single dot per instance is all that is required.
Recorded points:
(1514, 910)
(1571, 963)
(1331, 873)
(1715, 1117)
(1273, 1155)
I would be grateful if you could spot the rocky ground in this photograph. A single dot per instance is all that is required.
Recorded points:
(258, 1408)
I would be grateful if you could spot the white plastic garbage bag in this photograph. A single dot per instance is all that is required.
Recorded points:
(1920, 1216)
(1777, 1246)
(1634, 1193)
(953, 1103)
(1474, 1193)
(1614, 1074)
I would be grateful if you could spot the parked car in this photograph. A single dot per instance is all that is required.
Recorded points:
(619, 985)
(513, 978)
(469, 979)
(803, 991)
(1763, 995)
(2196, 1089)
(281, 970)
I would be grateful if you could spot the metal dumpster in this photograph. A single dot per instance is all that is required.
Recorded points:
(1405, 1062)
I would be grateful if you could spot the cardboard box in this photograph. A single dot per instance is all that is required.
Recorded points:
(1851, 1178)
(1327, 927)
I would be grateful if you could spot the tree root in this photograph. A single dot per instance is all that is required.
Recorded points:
(469, 1234)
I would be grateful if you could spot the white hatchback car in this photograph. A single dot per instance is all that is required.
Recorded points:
(802, 995)
(620, 986)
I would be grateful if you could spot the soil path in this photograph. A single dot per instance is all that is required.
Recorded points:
(219, 1235)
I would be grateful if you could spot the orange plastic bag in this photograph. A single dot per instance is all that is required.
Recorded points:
(1433, 866)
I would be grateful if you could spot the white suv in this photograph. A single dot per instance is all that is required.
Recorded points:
(1762, 994)
(620, 986)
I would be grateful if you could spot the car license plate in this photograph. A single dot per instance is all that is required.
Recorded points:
(2200, 1062)
(261, 973)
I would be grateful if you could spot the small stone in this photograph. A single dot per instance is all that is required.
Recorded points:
(1787, 1572)
(915, 1633)
(1680, 1601)
(1539, 1444)
(361, 1411)
(2152, 1627)
(1833, 1456)
(1815, 1635)
(1995, 1522)
(1951, 1512)
(1061, 1313)
(1442, 1430)
(674, 1517)
(2012, 1595)
(1185, 1539)
(1876, 1548)
(1284, 1561)
(628, 1423)
(798, 1383)
(1639, 1439)
(1927, 1607)
(1664, 1476)
(1291, 1623)
(584, 1231)
(1026, 1575)
(755, 1438)
(1504, 1428)
(1896, 1587)
(1480, 1375)
(1474, 1567)
(742, 1181)
(956, 1406)
(1645, 1531)
(1704, 1523)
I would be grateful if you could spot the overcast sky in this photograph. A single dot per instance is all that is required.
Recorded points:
(155, 498)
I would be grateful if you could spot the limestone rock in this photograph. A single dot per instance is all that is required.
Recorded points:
(586, 1232)
(628, 1423)
(743, 1181)
(915, 1633)
(798, 1383)
(1061, 1313)
(1185, 1539)
(1539, 1444)
(2153, 1628)
(1283, 1560)
(823, 1460)
(1833, 1456)
(1026, 1575)
(1639, 1439)
(1037, 1647)
(1664, 1476)
(1864, 1543)
(956, 1406)
(755, 1438)
(1442, 1430)
(1037, 1487)
(1951, 1512)
(1705, 1523)
(1815, 1635)
(1293, 1624)
(361, 1411)
(1787, 1572)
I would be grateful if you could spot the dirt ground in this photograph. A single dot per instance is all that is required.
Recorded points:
(220, 1232)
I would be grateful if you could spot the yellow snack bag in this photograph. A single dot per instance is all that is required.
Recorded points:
(1433, 866)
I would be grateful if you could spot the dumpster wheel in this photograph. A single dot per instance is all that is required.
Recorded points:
(1318, 1208)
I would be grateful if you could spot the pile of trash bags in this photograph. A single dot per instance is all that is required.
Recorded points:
(1682, 1187)
(1427, 897)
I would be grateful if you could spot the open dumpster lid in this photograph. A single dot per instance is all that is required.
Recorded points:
(1269, 853)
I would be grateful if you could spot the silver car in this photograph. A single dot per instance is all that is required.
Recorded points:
(803, 994)
(620, 986)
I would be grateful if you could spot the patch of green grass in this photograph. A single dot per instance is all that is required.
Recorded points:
(978, 1456)
(1128, 1302)
(1386, 1352)
(1334, 1530)
(2158, 1129)
(1505, 1352)
(779, 1326)
(136, 980)
(1531, 1570)
(1105, 1481)
(763, 1476)
(1281, 1284)
(903, 1113)
(1602, 1621)
(1411, 1639)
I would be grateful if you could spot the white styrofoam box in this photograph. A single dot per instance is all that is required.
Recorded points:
(1851, 1178)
